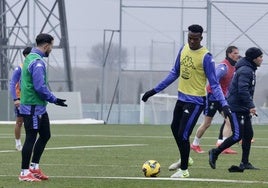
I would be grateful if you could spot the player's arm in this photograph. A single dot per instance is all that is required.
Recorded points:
(209, 68)
(221, 71)
(14, 80)
(171, 77)
(38, 71)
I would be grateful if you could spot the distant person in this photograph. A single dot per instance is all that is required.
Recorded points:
(14, 87)
(224, 74)
(193, 66)
(34, 97)
(240, 99)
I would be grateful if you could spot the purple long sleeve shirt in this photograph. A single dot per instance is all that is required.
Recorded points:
(38, 71)
(14, 80)
(209, 68)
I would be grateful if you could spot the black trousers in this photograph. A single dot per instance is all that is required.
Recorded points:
(242, 129)
(185, 116)
(34, 146)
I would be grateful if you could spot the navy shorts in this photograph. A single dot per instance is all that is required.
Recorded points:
(17, 111)
(36, 121)
(212, 107)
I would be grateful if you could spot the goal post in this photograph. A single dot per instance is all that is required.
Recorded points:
(158, 109)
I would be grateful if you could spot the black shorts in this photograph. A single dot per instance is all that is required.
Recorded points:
(35, 121)
(212, 107)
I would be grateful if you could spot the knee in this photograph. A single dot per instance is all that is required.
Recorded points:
(19, 123)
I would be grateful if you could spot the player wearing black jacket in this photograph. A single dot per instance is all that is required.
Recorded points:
(240, 99)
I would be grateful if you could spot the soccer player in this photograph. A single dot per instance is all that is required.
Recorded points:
(193, 66)
(224, 74)
(240, 99)
(14, 87)
(34, 97)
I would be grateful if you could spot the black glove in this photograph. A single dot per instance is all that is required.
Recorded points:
(148, 94)
(226, 111)
(60, 102)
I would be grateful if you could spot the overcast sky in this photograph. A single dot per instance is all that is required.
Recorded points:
(87, 20)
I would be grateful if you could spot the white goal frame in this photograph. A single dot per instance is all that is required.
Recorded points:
(158, 109)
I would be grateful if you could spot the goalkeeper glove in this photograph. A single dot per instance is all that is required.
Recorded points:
(148, 94)
(60, 102)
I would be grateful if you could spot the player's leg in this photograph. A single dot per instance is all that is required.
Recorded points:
(237, 133)
(44, 136)
(30, 138)
(227, 131)
(190, 115)
(209, 112)
(199, 133)
(17, 131)
(246, 144)
(220, 137)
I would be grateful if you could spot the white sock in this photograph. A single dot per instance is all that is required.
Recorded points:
(18, 142)
(24, 172)
(34, 166)
(196, 141)
(219, 141)
(224, 138)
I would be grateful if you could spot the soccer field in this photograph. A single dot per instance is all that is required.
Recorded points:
(112, 156)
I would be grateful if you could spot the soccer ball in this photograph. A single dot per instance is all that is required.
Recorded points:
(151, 168)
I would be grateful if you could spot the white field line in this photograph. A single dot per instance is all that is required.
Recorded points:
(96, 146)
(158, 179)
(115, 136)
(82, 147)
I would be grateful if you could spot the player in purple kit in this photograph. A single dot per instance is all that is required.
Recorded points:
(193, 67)
(14, 87)
(224, 73)
(34, 97)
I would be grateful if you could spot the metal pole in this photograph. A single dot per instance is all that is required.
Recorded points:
(182, 35)
(103, 75)
(119, 63)
(209, 25)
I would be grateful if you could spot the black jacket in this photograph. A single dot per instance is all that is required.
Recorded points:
(241, 91)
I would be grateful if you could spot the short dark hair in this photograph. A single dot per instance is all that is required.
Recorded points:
(230, 50)
(195, 28)
(43, 38)
(26, 51)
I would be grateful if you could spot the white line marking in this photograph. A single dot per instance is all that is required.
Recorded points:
(81, 147)
(158, 179)
(172, 179)
(97, 146)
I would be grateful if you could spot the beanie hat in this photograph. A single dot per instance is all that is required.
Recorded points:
(253, 53)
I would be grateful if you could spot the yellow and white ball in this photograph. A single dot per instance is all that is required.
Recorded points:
(151, 168)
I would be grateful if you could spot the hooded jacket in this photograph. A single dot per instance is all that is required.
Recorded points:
(241, 91)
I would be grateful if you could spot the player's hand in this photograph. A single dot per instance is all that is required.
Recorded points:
(253, 112)
(17, 103)
(226, 111)
(148, 94)
(61, 102)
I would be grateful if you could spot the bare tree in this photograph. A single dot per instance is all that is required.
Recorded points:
(97, 56)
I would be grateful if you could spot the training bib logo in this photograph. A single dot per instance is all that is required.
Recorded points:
(187, 66)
